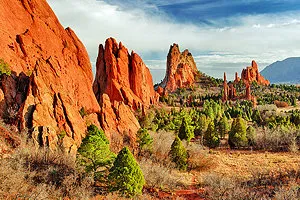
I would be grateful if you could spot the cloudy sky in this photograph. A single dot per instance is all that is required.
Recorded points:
(222, 35)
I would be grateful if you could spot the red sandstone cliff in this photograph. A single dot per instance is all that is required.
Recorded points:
(122, 84)
(251, 74)
(181, 69)
(57, 74)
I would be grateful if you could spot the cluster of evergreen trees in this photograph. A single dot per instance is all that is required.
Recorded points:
(122, 171)
(216, 119)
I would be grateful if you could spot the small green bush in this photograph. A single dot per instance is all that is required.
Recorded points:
(179, 154)
(144, 140)
(251, 135)
(186, 131)
(237, 134)
(82, 112)
(4, 68)
(211, 137)
(125, 176)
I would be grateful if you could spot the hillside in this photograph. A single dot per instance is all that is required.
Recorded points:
(286, 71)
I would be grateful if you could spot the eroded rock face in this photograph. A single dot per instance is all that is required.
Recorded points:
(33, 41)
(123, 76)
(251, 74)
(122, 84)
(181, 69)
(119, 123)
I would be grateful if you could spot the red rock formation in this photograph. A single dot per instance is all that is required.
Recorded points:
(232, 92)
(123, 77)
(251, 74)
(237, 78)
(122, 82)
(225, 89)
(248, 95)
(181, 70)
(33, 41)
(160, 91)
(119, 123)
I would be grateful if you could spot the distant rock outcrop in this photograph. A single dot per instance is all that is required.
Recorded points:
(225, 89)
(181, 69)
(123, 77)
(237, 78)
(251, 74)
(53, 74)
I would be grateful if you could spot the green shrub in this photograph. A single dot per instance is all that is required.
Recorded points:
(186, 131)
(82, 112)
(237, 134)
(94, 151)
(179, 154)
(4, 68)
(251, 135)
(144, 140)
(211, 137)
(223, 126)
(126, 176)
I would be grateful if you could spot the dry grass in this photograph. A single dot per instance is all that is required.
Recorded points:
(162, 141)
(159, 176)
(38, 173)
(243, 163)
(199, 158)
(278, 139)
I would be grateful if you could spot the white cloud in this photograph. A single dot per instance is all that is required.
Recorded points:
(265, 38)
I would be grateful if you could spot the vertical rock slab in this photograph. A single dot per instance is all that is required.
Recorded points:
(122, 84)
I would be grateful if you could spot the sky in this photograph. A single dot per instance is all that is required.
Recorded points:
(222, 35)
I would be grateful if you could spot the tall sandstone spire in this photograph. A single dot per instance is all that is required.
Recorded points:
(181, 69)
(122, 84)
(225, 89)
(123, 76)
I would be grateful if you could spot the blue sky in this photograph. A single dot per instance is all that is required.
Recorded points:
(222, 35)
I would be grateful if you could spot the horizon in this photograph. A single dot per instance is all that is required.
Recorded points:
(222, 36)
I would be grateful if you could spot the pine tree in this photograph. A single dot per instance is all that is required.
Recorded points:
(256, 117)
(94, 151)
(237, 134)
(223, 126)
(126, 176)
(144, 140)
(179, 154)
(186, 131)
(203, 123)
(211, 137)
(251, 135)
